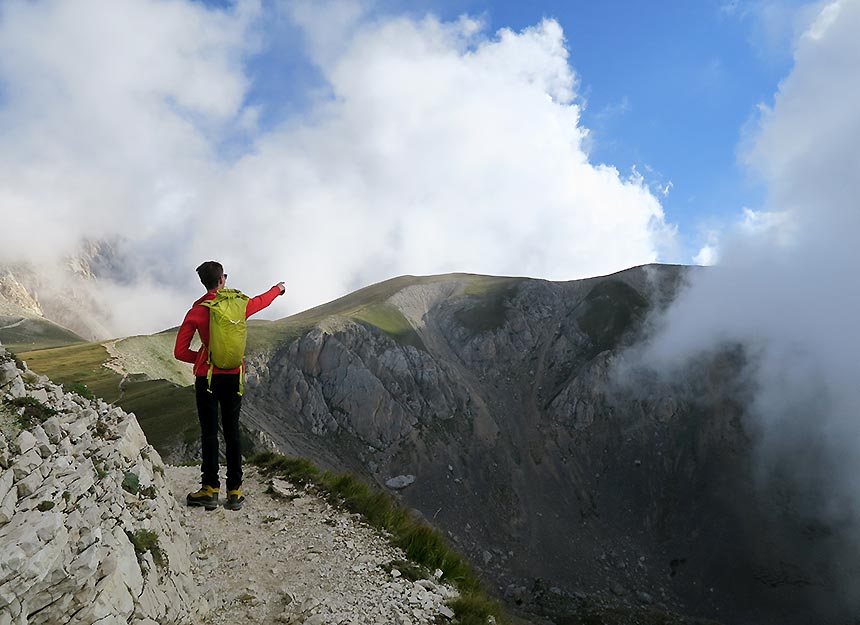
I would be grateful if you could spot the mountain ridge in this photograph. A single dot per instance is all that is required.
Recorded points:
(495, 405)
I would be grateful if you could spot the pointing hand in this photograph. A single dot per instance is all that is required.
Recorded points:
(281, 286)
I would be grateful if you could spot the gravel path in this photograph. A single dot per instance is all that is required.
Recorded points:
(296, 559)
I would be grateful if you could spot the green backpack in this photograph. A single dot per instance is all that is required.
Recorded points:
(228, 331)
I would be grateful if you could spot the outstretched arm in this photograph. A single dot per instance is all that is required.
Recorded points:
(258, 303)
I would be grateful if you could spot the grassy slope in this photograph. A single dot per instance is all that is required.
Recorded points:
(25, 334)
(152, 356)
(370, 305)
(76, 364)
(166, 411)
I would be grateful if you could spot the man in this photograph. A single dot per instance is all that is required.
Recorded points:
(224, 390)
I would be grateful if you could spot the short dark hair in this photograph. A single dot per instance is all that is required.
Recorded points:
(210, 273)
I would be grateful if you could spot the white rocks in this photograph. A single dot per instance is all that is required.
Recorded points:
(6, 479)
(282, 488)
(7, 503)
(25, 442)
(8, 373)
(26, 463)
(65, 523)
(75, 430)
(39, 394)
(446, 612)
(399, 482)
(52, 430)
(131, 438)
(29, 484)
(17, 388)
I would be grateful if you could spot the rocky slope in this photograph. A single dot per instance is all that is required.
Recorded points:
(89, 528)
(496, 406)
(93, 530)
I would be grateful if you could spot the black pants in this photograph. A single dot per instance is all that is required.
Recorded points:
(225, 391)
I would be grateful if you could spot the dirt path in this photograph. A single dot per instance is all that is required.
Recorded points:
(296, 560)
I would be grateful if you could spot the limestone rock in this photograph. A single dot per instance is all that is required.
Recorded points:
(66, 526)
(400, 481)
(25, 442)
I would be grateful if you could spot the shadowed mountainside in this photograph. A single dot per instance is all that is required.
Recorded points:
(569, 487)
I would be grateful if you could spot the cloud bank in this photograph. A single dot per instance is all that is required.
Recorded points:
(434, 147)
(785, 285)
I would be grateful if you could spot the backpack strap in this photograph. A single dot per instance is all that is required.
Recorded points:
(209, 373)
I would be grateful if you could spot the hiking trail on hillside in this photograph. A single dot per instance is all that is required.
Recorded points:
(292, 558)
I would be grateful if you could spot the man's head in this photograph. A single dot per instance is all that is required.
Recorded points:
(211, 274)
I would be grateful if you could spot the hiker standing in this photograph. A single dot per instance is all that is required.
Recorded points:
(219, 316)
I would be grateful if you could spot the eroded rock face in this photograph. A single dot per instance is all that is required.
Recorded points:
(556, 476)
(77, 546)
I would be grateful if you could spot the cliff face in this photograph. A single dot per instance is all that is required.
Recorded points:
(89, 529)
(566, 484)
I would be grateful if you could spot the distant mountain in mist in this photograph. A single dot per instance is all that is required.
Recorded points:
(61, 295)
(494, 407)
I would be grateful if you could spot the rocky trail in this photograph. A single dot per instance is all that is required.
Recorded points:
(94, 529)
(290, 557)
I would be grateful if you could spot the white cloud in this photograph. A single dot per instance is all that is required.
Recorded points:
(774, 25)
(441, 147)
(786, 283)
(707, 255)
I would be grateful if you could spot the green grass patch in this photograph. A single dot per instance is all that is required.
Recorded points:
(473, 609)
(34, 411)
(411, 571)
(44, 506)
(77, 364)
(147, 540)
(79, 388)
(391, 321)
(422, 544)
(131, 483)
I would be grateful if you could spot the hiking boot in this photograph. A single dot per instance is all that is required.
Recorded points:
(235, 499)
(207, 497)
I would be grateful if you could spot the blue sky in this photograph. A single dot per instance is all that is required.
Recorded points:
(668, 88)
(383, 138)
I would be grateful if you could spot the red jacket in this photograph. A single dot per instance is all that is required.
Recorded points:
(197, 320)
